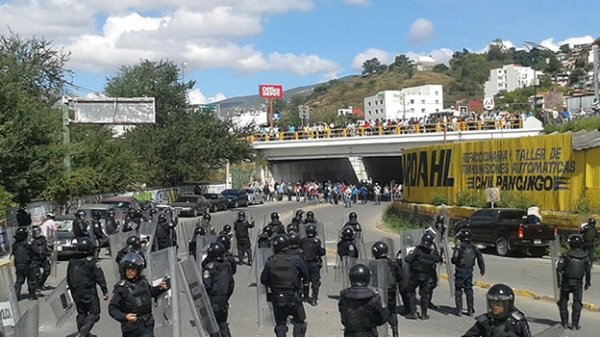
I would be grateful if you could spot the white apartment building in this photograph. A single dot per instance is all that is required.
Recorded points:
(406, 103)
(509, 78)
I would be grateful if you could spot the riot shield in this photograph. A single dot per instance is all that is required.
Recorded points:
(163, 265)
(120, 218)
(192, 285)
(380, 274)
(409, 239)
(8, 299)
(118, 241)
(359, 241)
(347, 263)
(555, 256)
(202, 244)
(29, 324)
(2, 330)
(391, 244)
(147, 231)
(264, 307)
(61, 303)
(447, 254)
(382, 330)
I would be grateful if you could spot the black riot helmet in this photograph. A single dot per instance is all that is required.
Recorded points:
(274, 216)
(21, 234)
(379, 249)
(80, 214)
(134, 242)
(441, 219)
(465, 235)
(427, 240)
(310, 216)
(96, 215)
(299, 213)
(131, 212)
(575, 241)
(153, 211)
(139, 213)
(162, 218)
(352, 216)
(294, 240)
(348, 234)
(207, 217)
(215, 250)
(225, 240)
(36, 232)
(227, 228)
(592, 222)
(85, 244)
(399, 255)
(281, 243)
(293, 228)
(199, 231)
(500, 300)
(241, 216)
(111, 212)
(311, 230)
(359, 275)
(268, 230)
(132, 260)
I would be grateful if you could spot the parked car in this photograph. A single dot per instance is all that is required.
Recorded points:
(191, 205)
(64, 242)
(255, 195)
(508, 230)
(122, 202)
(235, 198)
(217, 202)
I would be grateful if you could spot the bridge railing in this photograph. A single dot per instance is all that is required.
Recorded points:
(439, 127)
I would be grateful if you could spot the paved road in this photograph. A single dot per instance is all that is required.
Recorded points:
(324, 319)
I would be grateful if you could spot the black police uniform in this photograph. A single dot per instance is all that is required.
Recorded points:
(512, 324)
(277, 227)
(134, 297)
(24, 255)
(219, 284)
(313, 251)
(264, 240)
(80, 228)
(82, 276)
(422, 261)
(111, 225)
(361, 311)
(464, 258)
(394, 278)
(572, 267)
(198, 232)
(41, 256)
(404, 286)
(589, 239)
(347, 247)
(242, 236)
(99, 235)
(130, 225)
(352, 224)
(166, 236)
(282, 275)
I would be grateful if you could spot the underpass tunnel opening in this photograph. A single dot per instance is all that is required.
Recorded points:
(334, 169)
(384, 169)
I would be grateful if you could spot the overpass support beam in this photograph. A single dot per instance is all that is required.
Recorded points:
(359, 167)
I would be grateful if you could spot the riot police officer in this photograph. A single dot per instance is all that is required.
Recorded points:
(242, 236)
(502, 319)
(198, 232)
(422, 261)
(226, 231)
(228, 256)
(352, 223)
(295, 250)
(313, 251)
(80, 225)
(166, 236)
(131, 303)
(380, 252)
(403, 284)
(264, 239)
(282, 275)
(347, 246)
(463, 258)
(361, 308)
(83, 274)
(209, 228)
(588, 230)
(21, 250)
(133, 245)
(571, 269)
(219, 284)
(111, 224)
(99, 235)
(294, 226)
(41, 257)
(310, 218)
(276, 225)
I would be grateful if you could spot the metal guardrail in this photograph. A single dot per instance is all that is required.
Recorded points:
(516, 123)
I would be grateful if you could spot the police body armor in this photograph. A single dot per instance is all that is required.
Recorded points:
(79, 276)
(356, 313)
(22, 254)
(498, 328)
(241, 229)
(111, 226)
(312, 248)
(278, 227)
(220, 290)
(139, 297)
(80, 228)
(574, 269)
(467, 256)
(391, 275)
(264, 241)
(425, 262)
(283, 272)
(589, 234)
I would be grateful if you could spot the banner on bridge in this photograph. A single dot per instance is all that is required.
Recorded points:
(544, 169)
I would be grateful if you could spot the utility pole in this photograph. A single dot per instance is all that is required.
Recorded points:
(596, 59)
(66, 136)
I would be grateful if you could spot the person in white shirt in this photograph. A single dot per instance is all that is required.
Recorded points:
(49, 227)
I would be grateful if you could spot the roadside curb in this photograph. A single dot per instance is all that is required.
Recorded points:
(528, 294)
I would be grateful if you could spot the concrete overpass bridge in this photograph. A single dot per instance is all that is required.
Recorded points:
(360, 153)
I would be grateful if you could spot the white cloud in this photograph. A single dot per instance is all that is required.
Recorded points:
(356, 2)
(195, 96)
(442, 55)
(420, 31)
(381, 55)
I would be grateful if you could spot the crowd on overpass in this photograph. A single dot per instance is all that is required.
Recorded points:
(330, 191)
(430, 123)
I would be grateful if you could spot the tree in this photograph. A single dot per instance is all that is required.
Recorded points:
(371, 67)
(440, 68)
(403, 64)
(496, 50)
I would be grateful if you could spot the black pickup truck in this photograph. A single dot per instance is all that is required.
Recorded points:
(508, 230)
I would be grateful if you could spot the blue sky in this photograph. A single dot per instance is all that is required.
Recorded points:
(231, 46)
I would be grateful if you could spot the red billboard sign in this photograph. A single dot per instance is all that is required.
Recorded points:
(270, 91)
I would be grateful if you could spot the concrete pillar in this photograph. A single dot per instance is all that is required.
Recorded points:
(359, 167)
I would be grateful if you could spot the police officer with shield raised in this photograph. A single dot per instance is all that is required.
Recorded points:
(313, 251)
(242, 235)
(571, 269)
(83, 274)
(464, 257)
(198, 232)
(218, 281)
(282, 274)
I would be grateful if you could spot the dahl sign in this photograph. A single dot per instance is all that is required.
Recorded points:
(270, 91)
